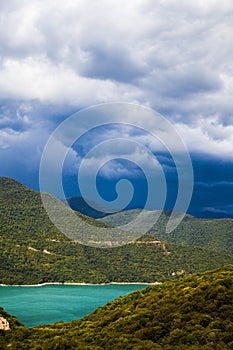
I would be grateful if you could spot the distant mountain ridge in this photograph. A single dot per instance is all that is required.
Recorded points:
(79, 204)
(94, 210)
(214, 234)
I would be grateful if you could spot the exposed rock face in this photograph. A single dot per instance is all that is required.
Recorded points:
(4, 324)
(158, 243)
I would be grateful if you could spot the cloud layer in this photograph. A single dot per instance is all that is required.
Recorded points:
(165, 54)
(174, 57)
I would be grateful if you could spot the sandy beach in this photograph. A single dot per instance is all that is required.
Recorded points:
(76, 284)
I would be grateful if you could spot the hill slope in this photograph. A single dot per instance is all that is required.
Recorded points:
(32, 250)
(214, 234)
(195, 312)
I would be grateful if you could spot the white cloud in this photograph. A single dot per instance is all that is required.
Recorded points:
(8, 136)
(37, 78)
(164, 54)
(111, 165)
(208, 136)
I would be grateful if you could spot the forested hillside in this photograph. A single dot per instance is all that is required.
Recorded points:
(214, 234)
(32, 250)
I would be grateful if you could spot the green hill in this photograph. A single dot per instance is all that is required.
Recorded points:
(195, 312)
(214, 234)
(33, 250)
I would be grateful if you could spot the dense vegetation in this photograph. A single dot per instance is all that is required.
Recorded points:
(195, 312)
(32, 250)
(214, 234)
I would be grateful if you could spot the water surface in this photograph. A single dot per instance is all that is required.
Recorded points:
(35, 305)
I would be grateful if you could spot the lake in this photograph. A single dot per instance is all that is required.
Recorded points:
(34, 305)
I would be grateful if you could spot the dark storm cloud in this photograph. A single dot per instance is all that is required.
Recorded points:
(213, 186)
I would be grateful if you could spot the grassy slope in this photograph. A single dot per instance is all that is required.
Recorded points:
(195, 312)
(26, 234)
(215, 234)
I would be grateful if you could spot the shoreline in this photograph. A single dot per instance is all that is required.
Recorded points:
(79, 284)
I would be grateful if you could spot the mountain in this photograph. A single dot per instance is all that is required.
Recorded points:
(195, 312)
(33, 250)
(80, 205)
(23, 214)
(214, 234)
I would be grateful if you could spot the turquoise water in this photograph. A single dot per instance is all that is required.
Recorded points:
(52, 303)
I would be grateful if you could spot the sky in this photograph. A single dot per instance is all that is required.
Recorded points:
(173, 57)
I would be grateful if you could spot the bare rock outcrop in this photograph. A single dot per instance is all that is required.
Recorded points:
(4, 324)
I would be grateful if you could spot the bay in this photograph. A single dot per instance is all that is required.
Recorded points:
(34, 305)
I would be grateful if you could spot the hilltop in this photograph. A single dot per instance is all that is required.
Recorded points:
(195, 312)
